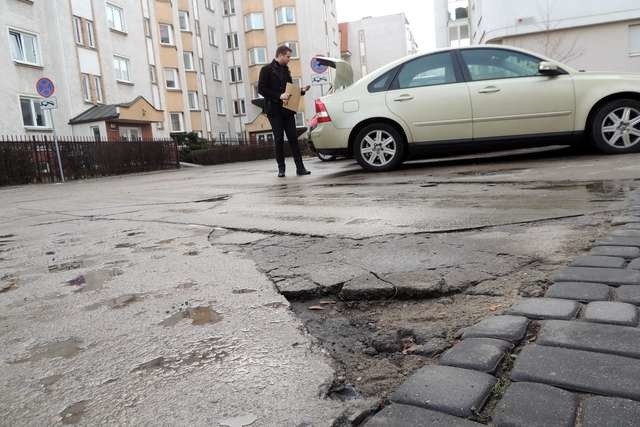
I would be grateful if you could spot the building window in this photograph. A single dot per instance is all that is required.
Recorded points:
(24, 47)
(147, 27)
(166, 34)
(197, 27)
(183, 20)
(201, 62)
(32, 114)
(86, 88)
(254, 21)
(257, 55)
(97, 83)
(121, 66)
(205, 102)
(188, 61)
(115, 18)
(77, 30)
(212, 37)
(228, 7)
(285, 15)
(171, 78)
(153, 73)
(177, 122)
(239, 107)
(193, 100)
(299, 119)
(95, 130)
(295, 52)
(634, 39)
(235, 74)
(232, 41)
(215, 71)
(91, 34)
(220, 106)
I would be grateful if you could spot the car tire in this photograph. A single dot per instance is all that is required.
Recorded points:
(615, 128)
(379, 147)
(326, 157)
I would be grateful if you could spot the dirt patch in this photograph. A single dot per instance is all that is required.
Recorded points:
(199, 316)
(65, 349)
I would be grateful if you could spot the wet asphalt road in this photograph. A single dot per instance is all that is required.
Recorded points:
(115, 307)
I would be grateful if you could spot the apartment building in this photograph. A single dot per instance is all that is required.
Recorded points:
(596, 36)
(371, 42)
(142, 68)
(452, 23)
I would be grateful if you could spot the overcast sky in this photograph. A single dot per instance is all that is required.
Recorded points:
(419, 13)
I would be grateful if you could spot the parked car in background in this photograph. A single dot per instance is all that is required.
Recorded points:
(473, 97)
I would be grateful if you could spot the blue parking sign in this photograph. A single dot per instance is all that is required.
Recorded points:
(45, 87)
(317, 67)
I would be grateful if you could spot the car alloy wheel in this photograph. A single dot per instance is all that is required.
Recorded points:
(621, 128)
(378, 148)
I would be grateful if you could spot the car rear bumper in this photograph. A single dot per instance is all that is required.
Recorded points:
(327, 138)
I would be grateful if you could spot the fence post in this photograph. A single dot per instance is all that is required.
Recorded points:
(55, 141)
(175, 144)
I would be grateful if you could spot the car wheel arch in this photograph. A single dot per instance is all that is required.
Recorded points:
(604, 101)
(356, 129)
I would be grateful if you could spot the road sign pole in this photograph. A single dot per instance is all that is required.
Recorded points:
(55, 141)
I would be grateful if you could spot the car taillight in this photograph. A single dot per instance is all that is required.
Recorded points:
(321, 112)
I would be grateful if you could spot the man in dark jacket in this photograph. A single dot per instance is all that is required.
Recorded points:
(272, 84)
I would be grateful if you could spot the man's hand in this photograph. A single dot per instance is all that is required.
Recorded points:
(306, 88)
(285, 96)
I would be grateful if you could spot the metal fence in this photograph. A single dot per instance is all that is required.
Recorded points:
(25, 160)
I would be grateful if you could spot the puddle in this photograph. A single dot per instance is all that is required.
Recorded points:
(241, 421)
(199, 316)
(65, 266)
(73, 413)
(94, 280)
(65, 349)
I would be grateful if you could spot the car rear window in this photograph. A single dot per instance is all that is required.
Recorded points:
(382, 83)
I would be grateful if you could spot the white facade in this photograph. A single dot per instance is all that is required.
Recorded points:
(376, 41)
(593, 35)
(452, 23)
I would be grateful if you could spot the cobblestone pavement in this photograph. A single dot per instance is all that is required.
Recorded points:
(570, 358)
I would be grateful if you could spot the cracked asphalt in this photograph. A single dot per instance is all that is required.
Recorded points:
(226, 296)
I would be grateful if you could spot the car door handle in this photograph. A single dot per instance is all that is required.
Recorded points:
(489, 89)
(405, 97)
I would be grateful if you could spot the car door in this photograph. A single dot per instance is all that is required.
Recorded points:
(509, 96)
(430, 96)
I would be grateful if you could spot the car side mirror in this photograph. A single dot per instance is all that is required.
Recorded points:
(549, 69)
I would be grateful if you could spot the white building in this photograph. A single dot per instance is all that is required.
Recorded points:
(592, 35)
(372, 42)
(451, 23)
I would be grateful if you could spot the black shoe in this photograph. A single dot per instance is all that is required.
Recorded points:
(280, 174)
(303, 172)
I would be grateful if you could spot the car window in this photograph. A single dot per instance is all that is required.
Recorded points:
(382, 83)
(489, 64)
(428, 70)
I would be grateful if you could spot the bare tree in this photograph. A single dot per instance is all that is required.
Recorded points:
(556, 45)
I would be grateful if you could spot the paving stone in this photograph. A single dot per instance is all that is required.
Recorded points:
(630, 294)
(454, 391)
(366, 287)
(579, 291)
(597, 337)
(609, 276)
(396, 415)
(602, 411)
(545, 308)
(479, 354)
(634, 264)
(509, 328)
(616, 313)
(620, 241)
(598, 261)
(579, 370)
(617, 251)
(625, 232)
(536, 405)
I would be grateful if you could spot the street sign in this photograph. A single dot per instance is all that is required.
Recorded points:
(45, 87)
(318, 67)
(49, 104)
(319, 80)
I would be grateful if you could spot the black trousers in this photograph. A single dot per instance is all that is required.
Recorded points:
(283, 123)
